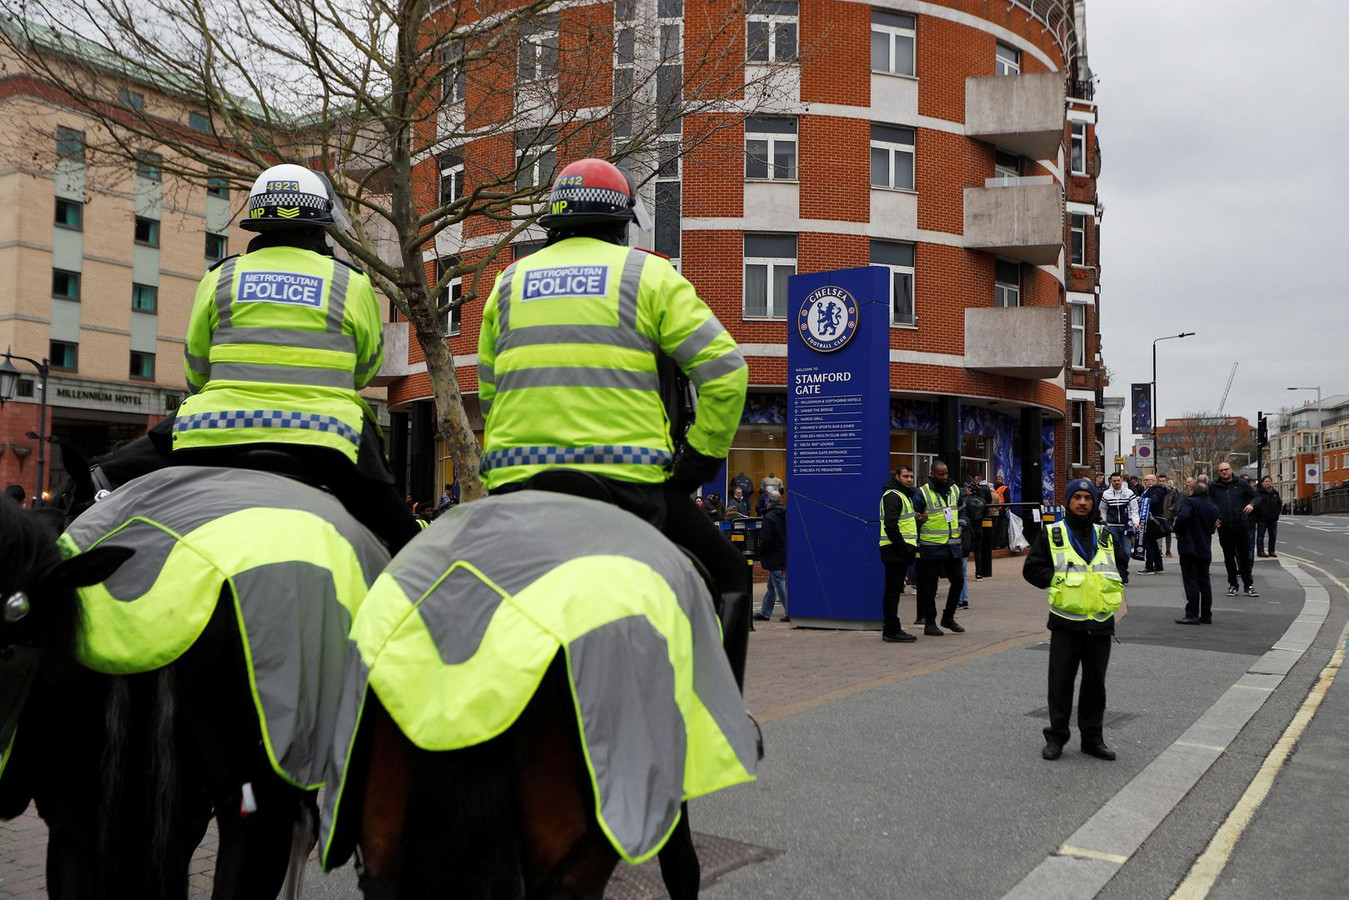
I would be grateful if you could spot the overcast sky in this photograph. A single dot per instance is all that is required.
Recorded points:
(1224, 130)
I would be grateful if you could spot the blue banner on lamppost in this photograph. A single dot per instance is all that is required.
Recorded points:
(1142, 408)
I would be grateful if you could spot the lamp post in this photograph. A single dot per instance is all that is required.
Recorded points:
(9, 382)
(1320, 439)
(1155, 449)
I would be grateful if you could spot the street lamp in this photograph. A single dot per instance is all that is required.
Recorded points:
(1320, 439)
(9, 382)
(1155, 449)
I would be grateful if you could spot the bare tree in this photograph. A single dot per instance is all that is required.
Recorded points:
(1198, 441)
(383, 97)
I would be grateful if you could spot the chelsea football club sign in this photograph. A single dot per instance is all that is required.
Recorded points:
(828, 319)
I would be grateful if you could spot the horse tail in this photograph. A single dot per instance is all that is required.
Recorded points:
(460, 827)
(163, 778)
(116, 717)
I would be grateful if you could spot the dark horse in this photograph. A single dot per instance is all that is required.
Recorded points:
(127, 770)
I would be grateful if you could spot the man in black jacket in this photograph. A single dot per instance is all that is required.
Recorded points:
(1235, 500)
(897, 551)
(1194, 537)
(1268, 507)
(773, 555)
(1152, 547)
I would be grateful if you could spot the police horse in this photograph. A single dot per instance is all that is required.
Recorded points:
(537, 685)
(198, 679)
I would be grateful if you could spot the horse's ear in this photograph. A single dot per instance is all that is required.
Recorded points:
(90, 567)
(77, 467)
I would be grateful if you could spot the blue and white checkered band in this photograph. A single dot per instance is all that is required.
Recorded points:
(582, 194)
(561, 456)
(261, 418)
(289, 199)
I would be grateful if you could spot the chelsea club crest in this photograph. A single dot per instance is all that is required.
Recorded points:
(828, 319)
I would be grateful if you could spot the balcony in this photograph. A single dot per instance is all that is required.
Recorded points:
(1020, 113)
(395, 355)
(1019, 218)
(1017, 341)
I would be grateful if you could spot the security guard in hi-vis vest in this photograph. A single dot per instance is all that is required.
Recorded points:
(581, 345)
(280, 340)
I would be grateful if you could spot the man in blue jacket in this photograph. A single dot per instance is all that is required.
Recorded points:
(1194, 527)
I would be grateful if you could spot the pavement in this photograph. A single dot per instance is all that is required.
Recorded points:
(914, 769)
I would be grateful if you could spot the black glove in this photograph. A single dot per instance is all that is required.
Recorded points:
(692, 470)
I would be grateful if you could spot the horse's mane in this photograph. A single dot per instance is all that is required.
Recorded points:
(28, 540)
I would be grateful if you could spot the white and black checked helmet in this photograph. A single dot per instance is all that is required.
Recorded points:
(287, 196)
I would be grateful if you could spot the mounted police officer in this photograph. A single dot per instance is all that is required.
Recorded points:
(280, 340)
(579, 362)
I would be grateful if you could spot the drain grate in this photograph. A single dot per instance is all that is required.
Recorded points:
(716, 856)
(1112, 719)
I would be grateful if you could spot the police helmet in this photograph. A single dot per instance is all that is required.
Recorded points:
(289, 196)
(593, 192)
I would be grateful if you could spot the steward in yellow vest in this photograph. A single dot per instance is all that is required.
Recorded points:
(899, 542)
(581, 356)
(940, 506)
(1075, 561)
(280, 340)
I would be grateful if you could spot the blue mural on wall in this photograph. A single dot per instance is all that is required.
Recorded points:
(765, 409)
(1047, 462)
(921, 415)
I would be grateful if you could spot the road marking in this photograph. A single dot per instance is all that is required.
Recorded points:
(1213, 747)
(1253, 687)
(1083, 853)
(1205, 871)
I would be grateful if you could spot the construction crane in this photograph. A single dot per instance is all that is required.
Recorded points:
(1227, 390)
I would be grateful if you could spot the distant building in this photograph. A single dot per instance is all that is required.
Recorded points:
(1292, 447)
(1192, 444)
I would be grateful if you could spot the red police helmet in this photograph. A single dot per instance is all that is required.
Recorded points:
(593, 192)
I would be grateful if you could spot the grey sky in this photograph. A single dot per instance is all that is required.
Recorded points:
(1224, 130)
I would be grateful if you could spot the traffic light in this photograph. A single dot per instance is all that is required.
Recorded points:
(1262, 430)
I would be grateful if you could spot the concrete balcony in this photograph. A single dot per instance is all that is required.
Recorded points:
(1020, 113)
(1017, 341)
(396, 336)
(1020, 219)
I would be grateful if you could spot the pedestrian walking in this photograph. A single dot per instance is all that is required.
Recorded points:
(1195, 524)
(773, 556)
(938, 506)
(1158, 522)
(1268, 508)
(898, 544)
(1235, 499)
(977, 500)
(1074, 560)
(1119, 513)
(1170, 509)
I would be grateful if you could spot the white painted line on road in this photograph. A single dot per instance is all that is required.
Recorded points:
(1205, 871)
(1116, 830)
(1083, 853)
(1310, 550)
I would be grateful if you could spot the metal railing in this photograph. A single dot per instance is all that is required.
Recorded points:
(1057, 18)
(1081, 90)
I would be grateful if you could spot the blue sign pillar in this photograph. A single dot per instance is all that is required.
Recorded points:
(838, 451)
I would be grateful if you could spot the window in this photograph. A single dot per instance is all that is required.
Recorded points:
(525, 248)
(1078, 151)
(217, 247)
(1079, 236)
(1006, 166)
(218, 186)
(538, 49)
(69, 144)
(1079, 325)
(770, 148)
(1007, 61)
(144, 297)
(142, 366)
(131, 99)
(453, 73)
(974, 455)
(199, 122)
(64, 355)
(147, 232)
(670, 65)
(1079, 415)
(898, 258)
(892, 157)
(69, 214)
(892, 36)
(770, 31)
(148, 166)
(451, 177)
(65, 285)
(1006, 283)
(535, 159)
(449, 320)
(769, 260)
(625, 78)
(669, 196)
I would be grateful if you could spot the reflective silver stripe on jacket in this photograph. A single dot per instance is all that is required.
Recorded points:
(256, 372)
(504, 301)
(337, 297)
(577, 376)
(697, 342)
(224, 293)
(201, 365)
(715, 368)
(284, 337)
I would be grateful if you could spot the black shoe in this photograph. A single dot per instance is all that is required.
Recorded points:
(1251, 591)
(1260, 553)
(903, 637)
(1099, 750)
(919, 621)
(1273, 555)
(760, 617)
(1231, 590)
(978, 578)
(1188, 620)
(1052, 751)
(786, 618)
(1124, 577)
(952, 625)
(964, 605)
(932, 630)
(1206, 620)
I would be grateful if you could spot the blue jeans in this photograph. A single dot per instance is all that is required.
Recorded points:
(1124, 547)
(965, 585)
(777, 591)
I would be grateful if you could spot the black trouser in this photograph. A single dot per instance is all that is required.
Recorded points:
(1236, 543)
(1261, 529)
(929, 570)
(1067, 650)
(981, 541)
(1152, 555)
(1000, 531)
(1198, 586)
(896, 559)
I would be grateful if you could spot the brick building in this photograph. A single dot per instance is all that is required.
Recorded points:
(952, 142)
